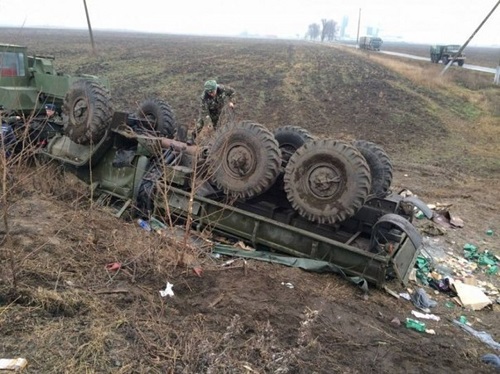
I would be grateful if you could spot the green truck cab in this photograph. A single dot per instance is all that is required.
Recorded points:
(28, 82)
(447, 53)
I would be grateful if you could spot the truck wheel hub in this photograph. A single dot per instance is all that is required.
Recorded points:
(324, 181)
(240, 161)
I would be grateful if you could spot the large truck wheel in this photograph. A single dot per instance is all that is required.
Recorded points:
(157, 116)
(380, 166)
(88, 109)
(290, 138)
(460, 62)
(445, 60)
(327, 181)
(244, 159)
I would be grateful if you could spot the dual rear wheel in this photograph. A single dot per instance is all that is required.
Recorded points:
(325, 180)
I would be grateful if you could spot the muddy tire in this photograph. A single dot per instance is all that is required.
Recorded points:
(460, 62)
(290, 138)
(380, 166)
(244, 159)
(327, 181)
(88, 110)
(157, 117)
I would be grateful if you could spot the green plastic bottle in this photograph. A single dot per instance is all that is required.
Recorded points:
(415, 325)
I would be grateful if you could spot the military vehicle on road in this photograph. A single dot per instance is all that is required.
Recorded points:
(447, 53)
(372, 43)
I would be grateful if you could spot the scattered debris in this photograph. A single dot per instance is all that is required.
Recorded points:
(432, 229)
(391, 292)
(198, 270)
(422, 301)
(484, 259)
(463, 319)
(425, 315)
(491, 359)
(471, 296)
(228, 262)
(481, 335)
(158, 226)
(405, 295)
(447, 219)
(396, 321)
(13, 364)
(113, 266)
(288, 284)
(144, 224)
(413, 324)
(167, 291)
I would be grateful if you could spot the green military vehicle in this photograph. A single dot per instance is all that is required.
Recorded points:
(447, 53)
(27, 83)
(285, 190)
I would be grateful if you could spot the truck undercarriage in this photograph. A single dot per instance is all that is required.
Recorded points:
(285, 191)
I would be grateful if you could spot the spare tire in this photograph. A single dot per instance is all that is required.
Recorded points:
(244, 159)
(157, 116)
(380, 166)
(87, 109)
(327, 181)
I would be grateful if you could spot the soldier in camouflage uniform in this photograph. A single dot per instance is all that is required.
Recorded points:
(44, 127)
(52, 116)
(213, 100)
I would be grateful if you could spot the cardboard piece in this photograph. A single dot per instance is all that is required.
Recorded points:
(471, 296)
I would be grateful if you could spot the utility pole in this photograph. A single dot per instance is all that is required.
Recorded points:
(90, 27)
(468, 40)
(359, 23)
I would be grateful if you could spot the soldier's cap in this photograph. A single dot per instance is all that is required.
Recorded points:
(210, 85)
(50, 107)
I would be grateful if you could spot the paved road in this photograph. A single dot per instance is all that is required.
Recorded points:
(465, 66)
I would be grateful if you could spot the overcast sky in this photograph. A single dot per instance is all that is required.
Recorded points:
(426, 21)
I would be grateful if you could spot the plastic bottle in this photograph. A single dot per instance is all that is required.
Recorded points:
(415, 325)
(144, 225)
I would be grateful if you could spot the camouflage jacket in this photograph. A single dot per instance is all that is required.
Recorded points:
(212, 106)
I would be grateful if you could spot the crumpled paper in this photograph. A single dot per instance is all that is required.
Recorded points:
(167, 291)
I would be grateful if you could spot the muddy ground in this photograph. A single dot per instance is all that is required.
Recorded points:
(63, 311)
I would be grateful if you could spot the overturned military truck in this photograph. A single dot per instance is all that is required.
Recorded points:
(284, 191)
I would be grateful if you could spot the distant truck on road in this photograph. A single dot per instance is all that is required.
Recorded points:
(446, 53)
(372, 43)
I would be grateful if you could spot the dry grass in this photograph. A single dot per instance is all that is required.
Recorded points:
(472, 120)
